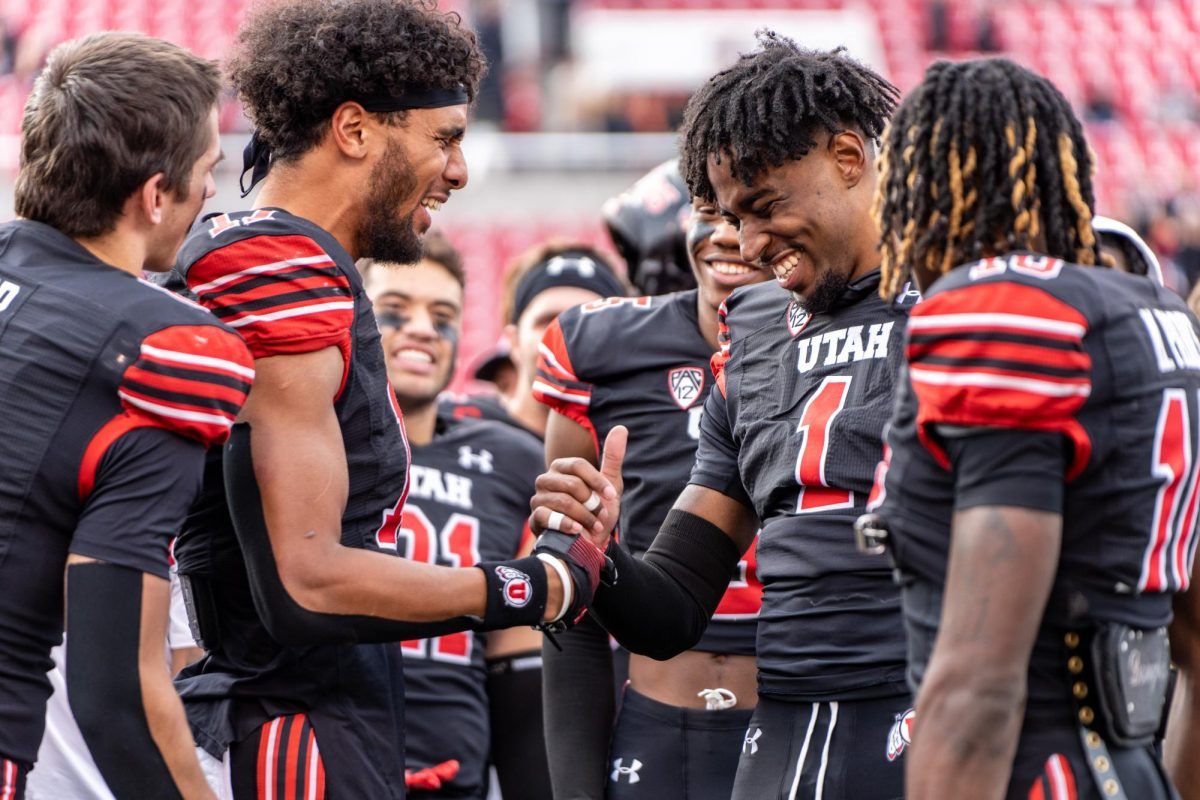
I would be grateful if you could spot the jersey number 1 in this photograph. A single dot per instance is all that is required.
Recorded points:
(816, 420)
(1167, 563)
(458, 543)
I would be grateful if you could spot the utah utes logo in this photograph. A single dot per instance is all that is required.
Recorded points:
(797, 318)
(900, 736)
(517, 589)
(686, 384)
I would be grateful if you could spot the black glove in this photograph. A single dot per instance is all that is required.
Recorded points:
(587, 567)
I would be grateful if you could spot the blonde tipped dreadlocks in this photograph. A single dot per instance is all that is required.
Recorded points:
(983, 158)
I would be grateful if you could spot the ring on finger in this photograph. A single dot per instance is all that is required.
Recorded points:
(555, 521)
(593, 502)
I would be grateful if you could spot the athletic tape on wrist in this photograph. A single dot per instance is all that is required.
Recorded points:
(567, 584)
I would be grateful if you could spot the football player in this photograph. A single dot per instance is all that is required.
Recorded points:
(540, 284)
(783, 143)
(468, 500)
(1042, 485)
(644, 363)
(290, 554)
(110, 391)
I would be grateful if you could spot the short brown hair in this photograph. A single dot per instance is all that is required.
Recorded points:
(437, 248)
(296, 61)
(108, 113)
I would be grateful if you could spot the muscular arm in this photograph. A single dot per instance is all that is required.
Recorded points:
(577, 680)
(300, 468)
(1183, 729)
(969, 709)
(119, 684)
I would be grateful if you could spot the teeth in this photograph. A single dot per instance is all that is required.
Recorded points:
(783, 269)
(432, 205)
(415, 355)
(730, 268)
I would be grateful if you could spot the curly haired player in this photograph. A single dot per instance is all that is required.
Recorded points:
(290, 557)
(1041, 483)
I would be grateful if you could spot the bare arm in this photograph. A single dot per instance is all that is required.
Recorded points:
(1183, 729)
(114, 712)
(970, 706)
(300, 468)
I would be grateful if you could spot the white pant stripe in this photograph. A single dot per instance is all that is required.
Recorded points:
(812, 723)
(833, 714)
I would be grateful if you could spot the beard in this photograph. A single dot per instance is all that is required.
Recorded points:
(383, 235)
(830, 288)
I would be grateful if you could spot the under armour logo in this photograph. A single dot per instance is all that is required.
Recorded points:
(581, 264)
(631, 770)
(751, 744)
(468, 458)
(909, 293)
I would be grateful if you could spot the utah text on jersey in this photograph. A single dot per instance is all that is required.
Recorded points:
(844, 345)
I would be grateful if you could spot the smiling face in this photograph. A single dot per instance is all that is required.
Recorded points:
(712, 244)
(808, 220)
(419, 311)
(421, 164)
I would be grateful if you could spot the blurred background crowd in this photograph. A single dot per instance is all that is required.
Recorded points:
(583, 96)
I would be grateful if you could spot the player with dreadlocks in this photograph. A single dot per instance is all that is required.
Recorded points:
(783, 143)
(1042, 483)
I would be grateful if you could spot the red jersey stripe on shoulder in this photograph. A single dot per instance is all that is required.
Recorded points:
(257, 255)
(283, 294)
(717, 364)
(1000, 354)
(103, 439)
(553, 355)
(999, 306)
(191, 380)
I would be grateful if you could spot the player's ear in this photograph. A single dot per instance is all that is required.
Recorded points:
(509, 334)
(349, 129)
(849, 151)
(150, 199)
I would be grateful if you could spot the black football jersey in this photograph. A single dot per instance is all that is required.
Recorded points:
(642, 362)
(453, 405)
(110, 390)
(1041, 384)
(794, 431)
(288, 287)
(468, 502)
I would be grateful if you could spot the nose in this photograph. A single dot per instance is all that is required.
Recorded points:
(455, 173)
(420, 325)
(725, 235)
(752, 241)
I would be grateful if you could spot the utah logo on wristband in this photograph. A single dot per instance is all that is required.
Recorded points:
(517, 589)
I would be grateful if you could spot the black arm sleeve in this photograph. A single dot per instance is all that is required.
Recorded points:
(514, 687)
(104, 619)
(662, 603)
(577, 687)
(287, 621)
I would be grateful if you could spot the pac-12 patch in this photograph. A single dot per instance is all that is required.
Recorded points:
(517, 589)
(686, 384)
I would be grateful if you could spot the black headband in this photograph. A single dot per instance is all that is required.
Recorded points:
(256, 158)
(565, 269)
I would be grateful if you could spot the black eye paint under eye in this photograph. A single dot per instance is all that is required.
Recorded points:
(699, 232)
(390, 319)
(446, 330)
